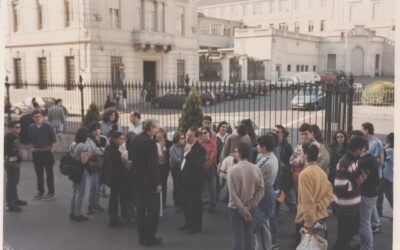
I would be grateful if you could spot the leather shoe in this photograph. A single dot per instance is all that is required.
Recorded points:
(154, 242)
(21, 203)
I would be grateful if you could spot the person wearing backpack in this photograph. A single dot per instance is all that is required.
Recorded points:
(81, 154)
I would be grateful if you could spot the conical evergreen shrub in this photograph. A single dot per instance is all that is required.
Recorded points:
(192, 113)
(93, 114)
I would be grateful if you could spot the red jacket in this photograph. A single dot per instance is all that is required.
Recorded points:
(211, 149)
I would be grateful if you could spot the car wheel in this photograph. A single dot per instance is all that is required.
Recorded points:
(17, 111)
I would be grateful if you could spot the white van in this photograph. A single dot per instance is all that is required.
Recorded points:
(308, 77)
(285, 81)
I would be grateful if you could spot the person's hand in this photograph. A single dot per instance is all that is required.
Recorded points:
(310, 230)
(246, 215)
(158, 189)
(13, 159)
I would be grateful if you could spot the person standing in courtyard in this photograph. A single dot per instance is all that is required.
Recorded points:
(207, 124)
(125, 98)
(163, 146)
(231, 142)
(191, 182)
(246, 189)
(56, 117)
(136, 125)
(388, 170)
(42, 138)
(176, 153)
(144, 157)
(12, 164)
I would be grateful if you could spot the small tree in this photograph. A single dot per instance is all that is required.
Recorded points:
(92, 115)
(192, 113)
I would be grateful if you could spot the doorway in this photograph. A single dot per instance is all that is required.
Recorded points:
(357, 61)
(149, 78)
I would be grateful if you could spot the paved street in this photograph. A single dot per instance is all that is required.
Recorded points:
(44, 225)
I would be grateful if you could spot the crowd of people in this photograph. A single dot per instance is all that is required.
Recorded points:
(348, 178)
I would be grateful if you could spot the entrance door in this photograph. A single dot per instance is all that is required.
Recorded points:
(149, 77)
(331, 64)
(357, 61)
(377, 58)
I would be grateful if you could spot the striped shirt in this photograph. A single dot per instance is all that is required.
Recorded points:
(348, 181)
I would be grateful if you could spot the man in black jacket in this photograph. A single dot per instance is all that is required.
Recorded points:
(191, 182)
(144, 156)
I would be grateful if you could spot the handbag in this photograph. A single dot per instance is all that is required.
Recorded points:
(95, 162)
(312, 242)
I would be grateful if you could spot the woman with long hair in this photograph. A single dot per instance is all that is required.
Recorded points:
(163, 145)
(176, 153)
(388, 169)
(116, 178)
(338, 149)
(250, 131)
(109, 123)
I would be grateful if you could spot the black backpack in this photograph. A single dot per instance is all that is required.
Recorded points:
(66, 164)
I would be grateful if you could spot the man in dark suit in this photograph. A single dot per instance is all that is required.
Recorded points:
(191, 182)
(144, 156)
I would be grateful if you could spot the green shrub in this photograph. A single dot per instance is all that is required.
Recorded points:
(93, 114)
(379, 93)
(192, 113)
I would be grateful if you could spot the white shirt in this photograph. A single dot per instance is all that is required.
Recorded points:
(137, 129)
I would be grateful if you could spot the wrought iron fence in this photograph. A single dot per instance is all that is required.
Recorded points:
(327, 105)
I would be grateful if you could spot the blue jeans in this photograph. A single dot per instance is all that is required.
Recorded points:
(290, 200)
(368, 205)
(267, 207)
(243, 238)
(94, 188)
(77, 195)
(273, 220)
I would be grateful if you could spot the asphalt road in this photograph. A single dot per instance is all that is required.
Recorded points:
(44, 225)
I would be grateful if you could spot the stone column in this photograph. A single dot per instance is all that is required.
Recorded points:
(225, 68)
(267, 72)
(243, 64)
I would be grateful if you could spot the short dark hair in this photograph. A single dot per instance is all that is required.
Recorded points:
(356, 133)
(115, 136)
(305, 127)
(207, 118)
(93, 126)
(81, 135)
(36, 111)
(242, 130)
(195, 131)
(244, 150)
(369, 127)
(136, 114)
(284, 132)
(317, 133)
(108, 112)
(390, 140)
(206, 129)
(357, 142)
(334, 138)
(221, 124)
(149, 124)
(57, 101)
(12, 124)
(312, 152)
(267, 141)
(177, 137)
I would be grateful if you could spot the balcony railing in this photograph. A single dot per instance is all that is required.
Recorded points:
(149, 40)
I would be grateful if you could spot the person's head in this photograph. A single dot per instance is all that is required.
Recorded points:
(151, 127)
(340, 138)
(281, 132)
(58, 102)
(135, 117)
(33, 99)
(110, 116)
(37, 116)
(306, 133)
(243, 151)
(266, 143)
(14, 127)
(81, 135)
(310, 153)
(205, 134)
(367, 129)
(241, 130)
(390, 140)
(357, 145)
(249, 126)
(179, 138)
(356, 133)
(317, 133)
(207, 120)
(223, 127)
(94, 129)
(192, 135)
(117, 139)
(161, 135)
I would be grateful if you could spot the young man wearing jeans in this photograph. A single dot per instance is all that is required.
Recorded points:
(246, 189)
(369, 195)
(42, 138)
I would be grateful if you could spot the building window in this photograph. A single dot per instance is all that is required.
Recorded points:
(283, 26)
(322, 25)
(258, 9)
(42, 62)
(342, 35)
(15, 16)
(297, 68)
(227, 31)
(376, 12)
(314, 68)
(39, 8)
(180, 21)
(302, 68)
(289, 67)
(234, 11)
(116, 82)
(271, 25)
(162, 17)
(296, 27)
(68, 13)
(271, 6)
(18, 73)
(114, 18)
(69, 72)
(323, 3)
(306, 68)
(295, 4)
(180, 72)
(310, 26)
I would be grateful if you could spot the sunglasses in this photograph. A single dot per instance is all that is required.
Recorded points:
(204, 133)
(340, 136)
(182, 138)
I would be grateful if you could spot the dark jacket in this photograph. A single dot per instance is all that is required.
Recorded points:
(336, 154)
(191, 178)
(285, 178)
(286, 152)
(144, 156)
(369, 188)
(114, 171)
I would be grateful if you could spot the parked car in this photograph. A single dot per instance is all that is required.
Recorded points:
(173, 99)
(340, 74)
(22, 107)
(285, 81)
(309, 99)
(308, 77)
(327, 76)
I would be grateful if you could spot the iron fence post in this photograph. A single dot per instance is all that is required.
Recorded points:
(8, 99)
(80, 86)
(350, 105)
